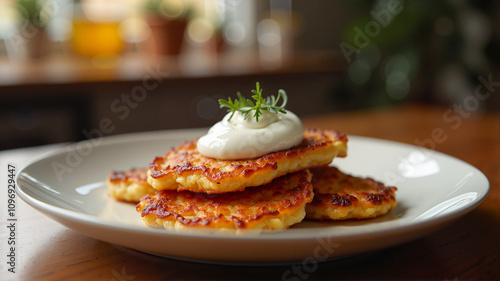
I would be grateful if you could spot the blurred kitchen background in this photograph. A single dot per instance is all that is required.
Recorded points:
(71, 70)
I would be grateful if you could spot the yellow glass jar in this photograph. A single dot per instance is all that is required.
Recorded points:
(96, 30)
(95, 39)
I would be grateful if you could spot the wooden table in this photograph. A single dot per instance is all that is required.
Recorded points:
(467, 249)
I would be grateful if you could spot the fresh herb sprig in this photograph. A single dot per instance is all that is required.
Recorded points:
(247, 106)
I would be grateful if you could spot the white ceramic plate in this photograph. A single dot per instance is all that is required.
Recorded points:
(68, 185)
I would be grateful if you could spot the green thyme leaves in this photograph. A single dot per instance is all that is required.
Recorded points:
(256, 105)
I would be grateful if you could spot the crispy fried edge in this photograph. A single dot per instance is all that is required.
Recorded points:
(279, 219)
(203, 179)
(127, 188)
(322, 208)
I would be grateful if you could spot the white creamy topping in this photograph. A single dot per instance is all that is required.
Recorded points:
(246, 139)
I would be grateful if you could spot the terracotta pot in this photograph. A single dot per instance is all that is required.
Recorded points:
(167, 34)
(35, 41)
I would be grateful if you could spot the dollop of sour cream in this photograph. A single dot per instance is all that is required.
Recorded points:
(241, 138)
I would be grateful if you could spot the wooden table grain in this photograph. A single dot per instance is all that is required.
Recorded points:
(468, 249)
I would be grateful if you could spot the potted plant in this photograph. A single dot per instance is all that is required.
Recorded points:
(167, 20)
(32, 30)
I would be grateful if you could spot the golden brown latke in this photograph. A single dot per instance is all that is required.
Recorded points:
(276, 205)
(338, 196)
(129, 186)
(184, 168)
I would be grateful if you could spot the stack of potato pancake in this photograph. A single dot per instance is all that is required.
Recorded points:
(185, 189)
